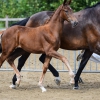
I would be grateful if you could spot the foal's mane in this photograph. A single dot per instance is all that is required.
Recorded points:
(48, 20)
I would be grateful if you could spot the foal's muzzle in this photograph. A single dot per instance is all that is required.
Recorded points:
(74, 23)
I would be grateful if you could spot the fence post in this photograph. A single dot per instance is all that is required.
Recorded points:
(6, 22)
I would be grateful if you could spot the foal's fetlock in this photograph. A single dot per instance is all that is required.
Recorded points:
(18, 80)
(39, 84)
(72, 75)
(72, 82)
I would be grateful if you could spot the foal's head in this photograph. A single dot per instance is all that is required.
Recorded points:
(67, 13)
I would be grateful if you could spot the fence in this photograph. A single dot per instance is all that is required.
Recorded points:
(7, 20)
(33, 63)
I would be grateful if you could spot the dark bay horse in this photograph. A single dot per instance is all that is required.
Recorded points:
(43, 39)
(86, 35)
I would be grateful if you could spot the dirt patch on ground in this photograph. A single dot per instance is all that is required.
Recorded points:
(29, 89)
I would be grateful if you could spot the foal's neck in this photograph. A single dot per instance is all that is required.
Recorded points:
(56, 22)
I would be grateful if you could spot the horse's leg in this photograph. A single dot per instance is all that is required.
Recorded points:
(80, 55)
(3, 57)
(55, 54)
(7, 50)
(21, 62)
(45, 67)
(11, 59)
(52, 69)
(87, 54)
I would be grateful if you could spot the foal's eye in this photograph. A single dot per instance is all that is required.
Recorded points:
(66, 11)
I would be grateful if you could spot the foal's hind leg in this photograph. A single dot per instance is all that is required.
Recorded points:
(18, 52)
(21, 61)
(7, 49)
(3, 58)
(55, 54)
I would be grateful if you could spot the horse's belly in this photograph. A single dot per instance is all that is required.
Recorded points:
(32, 47)
(73, 44)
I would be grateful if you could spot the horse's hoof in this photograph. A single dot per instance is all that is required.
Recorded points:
(42, 87)
(76, 88)
(43, 90)
(57, 81)
(12, 86)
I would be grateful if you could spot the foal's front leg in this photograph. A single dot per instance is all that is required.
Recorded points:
(55, 54)
(45, 67)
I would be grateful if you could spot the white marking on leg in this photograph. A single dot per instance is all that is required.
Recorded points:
(42, 87)
(12, 86)
(18, 80)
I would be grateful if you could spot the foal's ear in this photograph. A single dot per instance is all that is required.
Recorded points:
(65, 1)
(69, 2)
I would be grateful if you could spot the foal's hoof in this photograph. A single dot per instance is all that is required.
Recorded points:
(42, 87)
(76, 88)
(12, 86)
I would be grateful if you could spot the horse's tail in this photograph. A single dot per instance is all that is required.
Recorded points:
(22, 22)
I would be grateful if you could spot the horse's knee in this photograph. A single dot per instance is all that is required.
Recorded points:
(45, 67)
(44, 70)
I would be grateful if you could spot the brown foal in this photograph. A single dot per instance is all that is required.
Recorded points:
(42, 39)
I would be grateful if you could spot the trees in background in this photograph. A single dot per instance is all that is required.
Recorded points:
(81, 4)
(25, 8)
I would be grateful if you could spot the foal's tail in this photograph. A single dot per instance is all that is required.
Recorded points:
(21, 23)
(1, 32)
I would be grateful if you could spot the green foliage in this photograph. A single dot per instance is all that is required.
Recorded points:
(25, 8)
(81, 4)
